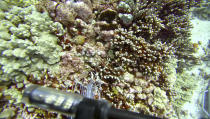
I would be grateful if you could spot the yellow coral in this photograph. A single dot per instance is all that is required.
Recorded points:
(23, 3)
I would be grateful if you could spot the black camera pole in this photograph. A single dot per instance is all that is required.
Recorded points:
(75, 105)
(97, 109)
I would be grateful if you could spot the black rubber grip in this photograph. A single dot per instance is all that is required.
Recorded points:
(124, 114)
(92, 109)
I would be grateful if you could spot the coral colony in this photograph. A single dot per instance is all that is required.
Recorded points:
(128, 52)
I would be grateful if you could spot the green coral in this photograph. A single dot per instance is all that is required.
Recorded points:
(28, 46)
(160, 100)
(4, 5)
(183, 89)
(2, 15)
(7, 114)
(15, 95)
(22, 3)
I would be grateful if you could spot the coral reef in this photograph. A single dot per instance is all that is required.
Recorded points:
(137, 54)
(124, 51)
(183, 90)
(21, 3)
(30, 49)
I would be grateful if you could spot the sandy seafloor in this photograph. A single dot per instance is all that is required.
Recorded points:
(200, 33)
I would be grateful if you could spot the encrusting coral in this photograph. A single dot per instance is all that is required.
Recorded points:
(30, 49)
(124, 51)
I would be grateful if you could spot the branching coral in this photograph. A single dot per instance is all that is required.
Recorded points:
(139, 55)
